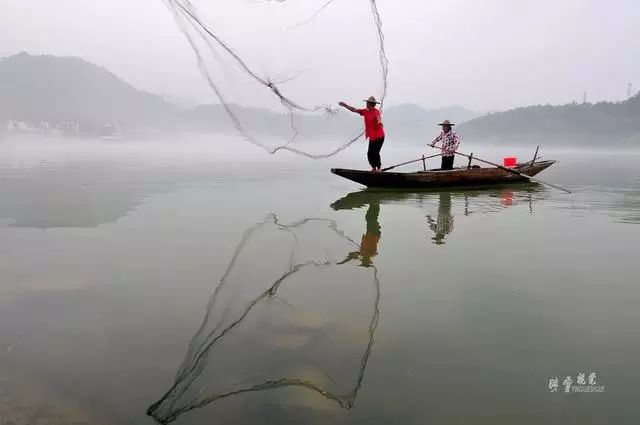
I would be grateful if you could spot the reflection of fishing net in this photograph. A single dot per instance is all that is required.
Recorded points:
(309, 58)
(284, 315)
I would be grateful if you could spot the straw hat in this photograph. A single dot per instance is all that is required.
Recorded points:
(371, 100)
(446, 122)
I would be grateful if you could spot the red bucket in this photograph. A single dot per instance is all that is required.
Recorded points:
(510, 162)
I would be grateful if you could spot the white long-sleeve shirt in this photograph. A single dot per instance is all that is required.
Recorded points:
(450, 142)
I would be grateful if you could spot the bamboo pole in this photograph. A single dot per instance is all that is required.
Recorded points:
(410, 162)
(535, 155)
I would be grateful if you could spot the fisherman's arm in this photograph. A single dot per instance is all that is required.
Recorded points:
(349, 108)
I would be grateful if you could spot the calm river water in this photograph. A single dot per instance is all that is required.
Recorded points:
(144, 283)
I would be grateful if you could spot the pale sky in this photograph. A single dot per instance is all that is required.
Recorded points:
(481, 54)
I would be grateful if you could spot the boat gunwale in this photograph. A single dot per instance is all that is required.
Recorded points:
(477, 176)
(519, 168)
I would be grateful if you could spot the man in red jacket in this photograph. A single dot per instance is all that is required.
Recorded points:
(374, 130)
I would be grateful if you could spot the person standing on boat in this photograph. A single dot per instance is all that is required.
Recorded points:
(450, 143)
(374, 130)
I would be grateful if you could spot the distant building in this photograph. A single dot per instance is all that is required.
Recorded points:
(64, 127)
(24, 127)
(68, 127)
(111, 131)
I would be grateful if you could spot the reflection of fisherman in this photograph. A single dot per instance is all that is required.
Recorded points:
(369, 244)
(443, 225)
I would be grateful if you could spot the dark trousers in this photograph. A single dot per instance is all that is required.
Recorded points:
(373, 154)
(447, 162)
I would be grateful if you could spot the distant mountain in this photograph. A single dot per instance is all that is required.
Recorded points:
(54, 89)
(411, 112)
(57, 89)
(180, 101)
(602, 123)
(412, 121)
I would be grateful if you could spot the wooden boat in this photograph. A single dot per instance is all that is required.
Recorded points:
(458, 177)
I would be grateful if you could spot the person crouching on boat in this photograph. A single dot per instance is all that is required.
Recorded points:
(374, 130)
(450, 143)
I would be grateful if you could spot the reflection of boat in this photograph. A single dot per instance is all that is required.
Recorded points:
(464, 177)
(362, 198)
(485, 201)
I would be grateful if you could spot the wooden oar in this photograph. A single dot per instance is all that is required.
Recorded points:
(511, 170)
(410, 162)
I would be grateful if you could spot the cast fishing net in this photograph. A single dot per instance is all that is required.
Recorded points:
(292, 317)
(287, 56)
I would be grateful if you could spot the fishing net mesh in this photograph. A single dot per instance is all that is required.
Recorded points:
(291, 312)
(287, 56)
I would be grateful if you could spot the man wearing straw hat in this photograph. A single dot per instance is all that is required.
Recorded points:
(450, 143)
(374, 130)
